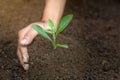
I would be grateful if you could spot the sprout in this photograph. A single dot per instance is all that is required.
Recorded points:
(53, 32)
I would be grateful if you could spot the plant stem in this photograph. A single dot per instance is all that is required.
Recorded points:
(54, 40)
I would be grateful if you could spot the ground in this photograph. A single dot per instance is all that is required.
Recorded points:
(93, 37)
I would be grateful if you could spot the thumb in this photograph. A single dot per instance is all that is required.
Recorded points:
(28, 37)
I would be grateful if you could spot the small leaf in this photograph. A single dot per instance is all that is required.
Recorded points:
(48, 31)
(64, 22)
(41, 31)
(51, 24)
(62, 45)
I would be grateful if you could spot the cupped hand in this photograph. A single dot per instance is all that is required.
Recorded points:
(26, 36)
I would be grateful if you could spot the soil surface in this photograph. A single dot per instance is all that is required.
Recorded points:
(93, 37)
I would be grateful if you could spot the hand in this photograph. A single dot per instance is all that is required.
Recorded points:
(26, 36)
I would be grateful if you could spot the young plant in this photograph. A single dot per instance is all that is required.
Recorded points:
(53, 32)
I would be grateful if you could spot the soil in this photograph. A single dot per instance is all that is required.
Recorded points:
(93, 37)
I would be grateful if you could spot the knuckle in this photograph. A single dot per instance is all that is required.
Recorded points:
(19, 32)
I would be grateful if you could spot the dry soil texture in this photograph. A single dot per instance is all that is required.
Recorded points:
(93, 37)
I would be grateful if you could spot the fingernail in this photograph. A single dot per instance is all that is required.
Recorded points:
(24, 41)
(25, 57)
(26, 66)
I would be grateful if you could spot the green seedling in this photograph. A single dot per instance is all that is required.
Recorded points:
(53, 31)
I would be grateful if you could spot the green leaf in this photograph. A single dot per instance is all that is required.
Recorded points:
(48, 31)
(51, 24)
(62, 45)
(64, 22)
(41, 31)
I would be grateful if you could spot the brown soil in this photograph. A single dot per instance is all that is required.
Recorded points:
(93, 37)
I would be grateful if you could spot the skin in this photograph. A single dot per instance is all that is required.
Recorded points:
(53, 10)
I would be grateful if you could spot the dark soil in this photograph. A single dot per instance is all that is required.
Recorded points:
(93, 37)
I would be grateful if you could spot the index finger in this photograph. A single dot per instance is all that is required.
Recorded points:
(23, 56)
